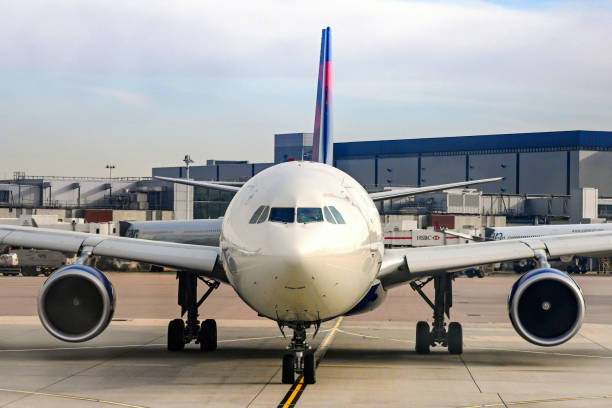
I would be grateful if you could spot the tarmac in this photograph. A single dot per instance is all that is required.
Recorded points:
(364, 361)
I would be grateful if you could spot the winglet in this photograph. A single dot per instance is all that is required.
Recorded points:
(322, 141)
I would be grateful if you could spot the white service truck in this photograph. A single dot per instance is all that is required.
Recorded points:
(30, 262)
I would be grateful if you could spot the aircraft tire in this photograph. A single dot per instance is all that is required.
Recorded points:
(455, 338)
(29, 271)
(423, 338)
(176, 335)
(309, 368)
(288, 369)
(208, 335)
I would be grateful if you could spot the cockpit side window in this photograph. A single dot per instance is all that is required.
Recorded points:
(309, 214)
(337, 215)
(256, 214)
(282, 214)
(264, 215)
(328, 216)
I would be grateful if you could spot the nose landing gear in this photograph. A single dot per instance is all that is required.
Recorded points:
(443, 301)
(300, 359)
(184, 332)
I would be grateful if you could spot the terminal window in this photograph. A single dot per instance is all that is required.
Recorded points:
(209, 203)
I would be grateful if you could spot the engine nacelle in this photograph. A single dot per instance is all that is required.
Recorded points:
(546, 307)
(374, 298)
(76, 303)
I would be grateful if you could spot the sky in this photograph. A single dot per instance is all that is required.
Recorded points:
(140, 83)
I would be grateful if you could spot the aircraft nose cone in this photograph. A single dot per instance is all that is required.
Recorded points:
(295, 270)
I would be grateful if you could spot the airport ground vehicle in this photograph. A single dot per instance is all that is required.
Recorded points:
(31, 262)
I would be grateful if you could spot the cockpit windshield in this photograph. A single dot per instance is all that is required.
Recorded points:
(282, 214)
(256, 215)
(328, 217)
(337, 215)
(307, 214)
(260, 215)
(264, 215)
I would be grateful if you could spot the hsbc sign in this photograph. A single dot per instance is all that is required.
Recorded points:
(426, 238)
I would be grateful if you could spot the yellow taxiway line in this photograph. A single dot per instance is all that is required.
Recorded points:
(298, 387)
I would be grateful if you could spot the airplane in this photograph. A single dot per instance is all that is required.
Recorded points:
(572, 263)
(529, 231)
(196, 232)
(301, 243)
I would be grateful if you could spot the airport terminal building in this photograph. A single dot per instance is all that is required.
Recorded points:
(547, 167)
(550, 163)
(545, 174)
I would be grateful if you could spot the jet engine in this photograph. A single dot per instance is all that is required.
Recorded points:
(76, 303)
(374, 298)
(546, 307)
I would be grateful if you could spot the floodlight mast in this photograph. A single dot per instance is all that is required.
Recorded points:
(187, 160)
(110, 168)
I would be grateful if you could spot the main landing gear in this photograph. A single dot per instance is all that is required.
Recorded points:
(300, 359)
(183, 332)
(443, 301)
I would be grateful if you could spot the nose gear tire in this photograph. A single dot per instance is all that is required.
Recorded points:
(309, 369)
(288, 369)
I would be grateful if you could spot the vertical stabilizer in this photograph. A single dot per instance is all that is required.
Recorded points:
(322, 141)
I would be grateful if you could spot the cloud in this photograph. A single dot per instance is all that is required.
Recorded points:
(477, 43)
(210, 70)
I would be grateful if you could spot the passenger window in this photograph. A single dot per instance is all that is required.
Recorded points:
(282, 214)
(256, 215)
(328, 216)
(337, 215)
(306, 215)
(264, 215)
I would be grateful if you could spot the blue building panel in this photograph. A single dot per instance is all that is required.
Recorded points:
(543, 173)
(362, 170)
(495, 165)
(565, 140)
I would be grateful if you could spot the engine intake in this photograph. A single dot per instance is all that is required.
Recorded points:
(76, 303)
(546, 307)
(374, 298)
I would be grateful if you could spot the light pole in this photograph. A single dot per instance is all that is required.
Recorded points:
(110, 168)
(187, 160)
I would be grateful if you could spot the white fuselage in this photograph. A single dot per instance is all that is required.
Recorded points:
(530, 231)
(302, 271)
(195, 232)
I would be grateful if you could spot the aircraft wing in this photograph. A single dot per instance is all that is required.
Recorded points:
(198, 259)
(404, 265)
(410, 191)
(195, 183)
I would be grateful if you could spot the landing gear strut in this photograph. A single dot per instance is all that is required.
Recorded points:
(184, 332)
(300, 359)
(443, 301)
